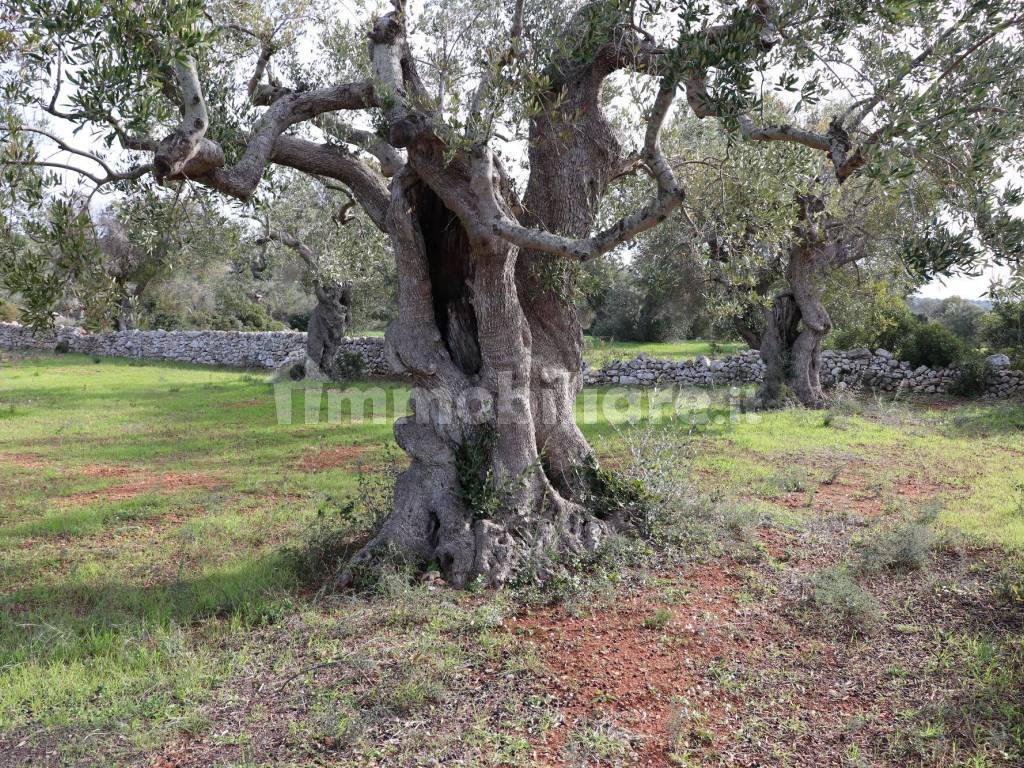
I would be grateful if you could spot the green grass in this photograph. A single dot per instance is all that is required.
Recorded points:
(145, 512)
(599, 352)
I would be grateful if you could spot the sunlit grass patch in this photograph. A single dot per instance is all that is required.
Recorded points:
(599, 352)
(994, 507)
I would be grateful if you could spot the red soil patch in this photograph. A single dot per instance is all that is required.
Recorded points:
(851, 497)
(25, 460)
(347, 456)
(776, 542)
(165, 483)
(104, 470)
(609, 665)
(919, 489)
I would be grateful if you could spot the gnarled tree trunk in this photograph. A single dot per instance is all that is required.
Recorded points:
(798, 322)
(476, 499)
(491, 339)
(328, 324)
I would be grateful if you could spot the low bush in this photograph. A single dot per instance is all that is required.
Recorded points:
(886, 324)
(841, 604)
(8, 312)
(297, 321)
(933, 345)
(973, 376)
(902, 547)
(615, 496)
(237, 312)
(347, 365)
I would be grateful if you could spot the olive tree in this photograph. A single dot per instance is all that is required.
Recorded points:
(477, 136)
(343, 258)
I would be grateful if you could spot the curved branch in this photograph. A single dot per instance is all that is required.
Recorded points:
(290, 241)
(390, 159)
(333, 162)
(242, 179)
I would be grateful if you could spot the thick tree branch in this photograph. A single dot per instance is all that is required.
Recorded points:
(181, 146)
(242, 179)
(333, 162)
(401, 92)
(669, 196)
(390, 159)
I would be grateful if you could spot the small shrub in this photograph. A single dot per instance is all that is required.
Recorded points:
(842, 605)
(883, 319)
(740, 520)
(8, 312)
(347, 365)
(687, 729)
(297, 321)
(658, 620)
(599, 743)
(477, 489)
(932, 345)
(793, 481)
(236, 311)
(1009, 587)
(903, 547)
(972, 378)
(614, 496)
(62, 347)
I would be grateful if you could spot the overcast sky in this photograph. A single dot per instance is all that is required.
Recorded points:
(966, 287)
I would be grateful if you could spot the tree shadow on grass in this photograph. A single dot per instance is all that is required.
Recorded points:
(59, 623)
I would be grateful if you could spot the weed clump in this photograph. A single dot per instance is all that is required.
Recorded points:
(902, 548)
(477, 489)
(842, 605)
(600, 743)
(612, 496)
(658, 620)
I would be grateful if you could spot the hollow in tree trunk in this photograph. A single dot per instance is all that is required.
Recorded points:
(476, 500)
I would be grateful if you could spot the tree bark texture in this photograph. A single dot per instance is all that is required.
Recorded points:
(492, 341)
(328, 324)
(797, 323)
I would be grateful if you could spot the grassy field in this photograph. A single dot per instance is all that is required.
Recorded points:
(599, 352)
(825, 588)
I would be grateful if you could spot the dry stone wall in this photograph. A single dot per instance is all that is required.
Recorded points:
(237, 349)
(854, 369)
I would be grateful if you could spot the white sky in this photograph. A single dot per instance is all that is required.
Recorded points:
(965, 287)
